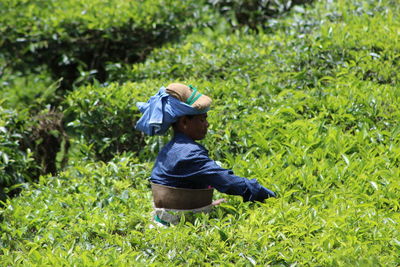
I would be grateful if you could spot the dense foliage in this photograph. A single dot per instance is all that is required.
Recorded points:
(253, 14)
(29, 147)
(79, 40)
(105, 118)
(307, 104)
(16, 164)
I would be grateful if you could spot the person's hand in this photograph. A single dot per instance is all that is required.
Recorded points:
(218, 201)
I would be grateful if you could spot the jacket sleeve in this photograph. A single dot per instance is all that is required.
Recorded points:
(224, 180)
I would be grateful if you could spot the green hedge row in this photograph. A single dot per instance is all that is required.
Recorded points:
(76, 40)
(304, 50)
(80, 41)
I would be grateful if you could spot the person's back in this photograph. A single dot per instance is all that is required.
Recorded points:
(174, 165)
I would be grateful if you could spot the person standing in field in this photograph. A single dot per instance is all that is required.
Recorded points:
(183, 170)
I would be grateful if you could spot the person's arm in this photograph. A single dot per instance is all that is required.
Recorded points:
(225, 181)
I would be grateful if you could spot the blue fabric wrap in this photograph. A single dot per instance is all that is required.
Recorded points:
(184, 163)
(161, 111)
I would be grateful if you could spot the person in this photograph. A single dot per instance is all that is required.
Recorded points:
(183, 163)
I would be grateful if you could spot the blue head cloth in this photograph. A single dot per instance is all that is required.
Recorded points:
(161, 111)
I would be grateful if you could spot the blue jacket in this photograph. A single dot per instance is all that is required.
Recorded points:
(184, 163)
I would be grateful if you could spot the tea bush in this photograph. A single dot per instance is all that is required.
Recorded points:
(341, 44)
(309, 107)
(40, 126)
(253, 13)
(76, 40)
(16, 164)
(98, 214)
(29, 147)
(21, 91)
(104, 118)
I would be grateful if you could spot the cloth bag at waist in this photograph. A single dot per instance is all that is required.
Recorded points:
(169, 197)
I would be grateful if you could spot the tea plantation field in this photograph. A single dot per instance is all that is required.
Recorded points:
(306, 100)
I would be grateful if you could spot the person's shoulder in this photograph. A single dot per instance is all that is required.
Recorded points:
(188, 146)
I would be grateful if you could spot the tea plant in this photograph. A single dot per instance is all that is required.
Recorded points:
(253, 13)
(15, 163)
(105, 117)
(98, 214)
(76, 40)
(308, 106)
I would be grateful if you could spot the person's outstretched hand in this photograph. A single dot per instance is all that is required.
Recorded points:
(218, 201)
